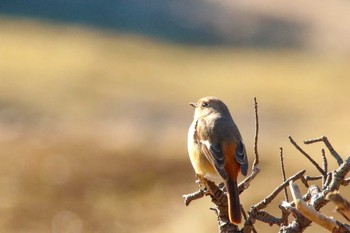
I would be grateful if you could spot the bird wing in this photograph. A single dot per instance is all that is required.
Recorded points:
(212, 152)
(241, 157)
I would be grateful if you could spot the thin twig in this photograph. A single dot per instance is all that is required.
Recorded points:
(256, 160)
(263, 216)
(255, 169)
(325, 162)
(304, 181)
(314, 140)
(306, 155)
(246, 182)
(246, 218)
(324, 139)
(283, 174)
(262, 204)
(325, 167)
(328, 179)
(313, 178)
(188, 198)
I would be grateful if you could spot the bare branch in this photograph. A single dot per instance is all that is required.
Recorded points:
(256, 160)
(249, 225)
(247, 220)
(324, 139)
(188, 198)
(262, 204)
(285, 213)
(313, 215)
(314, 140)
(339, 175)
(246, 182)
(255, 169)
(304, 181)
(325, 162)
(306, 155)
(333, 183)
(328, 179)
(342, 205)
(263, 216)
(312, 178)
(325, 167)
(283, 174)
(346, 182)
(314, 193)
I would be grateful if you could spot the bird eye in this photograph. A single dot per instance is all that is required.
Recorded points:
(204, 105)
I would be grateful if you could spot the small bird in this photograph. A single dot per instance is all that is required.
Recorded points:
(216, 149)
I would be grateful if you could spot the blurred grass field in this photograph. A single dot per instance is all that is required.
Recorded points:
(93, 125)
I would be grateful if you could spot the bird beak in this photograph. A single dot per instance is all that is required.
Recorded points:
(193, 104)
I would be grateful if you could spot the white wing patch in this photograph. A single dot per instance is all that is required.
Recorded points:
(206, 143)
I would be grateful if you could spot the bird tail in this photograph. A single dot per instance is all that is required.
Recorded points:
(234, 206)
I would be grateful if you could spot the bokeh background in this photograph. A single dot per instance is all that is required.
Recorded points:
(94, 104)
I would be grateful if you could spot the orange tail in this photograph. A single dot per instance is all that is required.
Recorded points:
(234, 207)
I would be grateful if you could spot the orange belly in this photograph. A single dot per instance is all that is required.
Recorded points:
(199, 161)
(201, 165)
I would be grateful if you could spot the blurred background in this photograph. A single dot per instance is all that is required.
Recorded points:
(94, 104)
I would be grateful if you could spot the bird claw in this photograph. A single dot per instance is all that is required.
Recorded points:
(201, 180)
(203, 185)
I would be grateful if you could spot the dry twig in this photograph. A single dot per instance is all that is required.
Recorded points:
(255, 168)
(313, 215)
(283, 174)
(263, 204)
(256, 160)
(342, 205)
(306, 155)
(324, 139)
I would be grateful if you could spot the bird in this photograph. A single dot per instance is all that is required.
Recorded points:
(216, 149)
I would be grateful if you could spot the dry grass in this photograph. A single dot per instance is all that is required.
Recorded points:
(93, 124)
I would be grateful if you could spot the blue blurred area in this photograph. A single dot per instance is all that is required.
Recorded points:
(182, 21)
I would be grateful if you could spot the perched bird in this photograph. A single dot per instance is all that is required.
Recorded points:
(216, 149)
